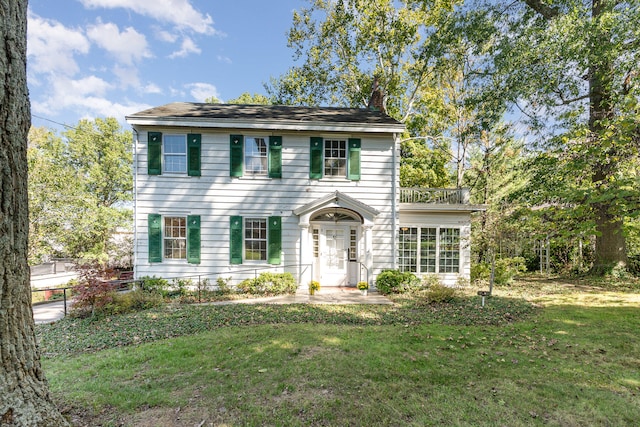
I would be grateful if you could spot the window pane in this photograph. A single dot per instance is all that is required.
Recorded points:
(428, 250)
(335, 157)
(408, 249)
(255, 239)
(255, 156)
(175, 153)
(175, 237)
(449, 250)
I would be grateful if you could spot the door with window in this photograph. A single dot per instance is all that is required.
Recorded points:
(333, 255)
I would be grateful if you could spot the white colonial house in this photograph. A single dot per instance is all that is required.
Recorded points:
(230, 191)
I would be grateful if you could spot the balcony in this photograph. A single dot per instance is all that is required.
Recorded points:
(437, 199)
(447, 196)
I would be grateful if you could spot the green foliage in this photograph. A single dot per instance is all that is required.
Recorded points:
(480, 271)
(77, 187)
(439, 294)
(248, 99)
(421, 166)
(155, 284)
(136, 300)
(222, 285)
(363, 286)
(269, 284)
(396, 282)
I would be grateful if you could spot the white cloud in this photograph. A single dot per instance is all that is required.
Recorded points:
(177, 12)
(51, 46)
(202, 91)
(166, 36)
(188, 46)
(224, 59)
(151, 88)
(127, 46)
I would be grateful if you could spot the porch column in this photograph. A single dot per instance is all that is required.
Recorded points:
(368, 248)
(303, 258)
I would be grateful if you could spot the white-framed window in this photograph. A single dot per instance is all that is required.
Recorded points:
(175, 237)
(449, 250)
(429, 249)
(335, 157)
(256, 152)
(255, 239)
(174, 151)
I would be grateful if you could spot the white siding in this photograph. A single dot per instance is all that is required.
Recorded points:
(216, 196)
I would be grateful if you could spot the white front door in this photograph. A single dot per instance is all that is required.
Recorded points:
(333, 246)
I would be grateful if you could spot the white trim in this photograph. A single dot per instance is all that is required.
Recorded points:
(269, 125)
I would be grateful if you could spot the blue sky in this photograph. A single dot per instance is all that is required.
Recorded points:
(99, 58)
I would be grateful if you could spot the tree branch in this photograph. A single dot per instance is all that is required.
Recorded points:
(548, 12)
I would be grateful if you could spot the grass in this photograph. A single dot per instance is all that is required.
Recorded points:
(575, 361)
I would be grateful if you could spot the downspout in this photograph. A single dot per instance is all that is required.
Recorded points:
(135, 203)
(394, 195)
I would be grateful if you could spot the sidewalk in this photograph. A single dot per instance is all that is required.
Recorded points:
(51, 312)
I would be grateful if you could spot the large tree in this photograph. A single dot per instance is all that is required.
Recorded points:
(24, 394)
(572, 66)
(80, 183)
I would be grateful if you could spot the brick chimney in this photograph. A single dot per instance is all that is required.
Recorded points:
(376, 102)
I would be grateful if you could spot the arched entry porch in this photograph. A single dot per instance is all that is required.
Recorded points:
(335, 239)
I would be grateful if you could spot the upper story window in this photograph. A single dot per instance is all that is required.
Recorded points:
(174, 154)
(174, 149)
(255, 156)
(334, 158)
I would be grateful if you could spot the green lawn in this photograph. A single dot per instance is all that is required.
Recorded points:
(573, 362)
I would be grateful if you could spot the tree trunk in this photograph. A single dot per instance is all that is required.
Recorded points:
(24, 394)
(611, 250)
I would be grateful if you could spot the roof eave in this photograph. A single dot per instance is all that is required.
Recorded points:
(266, 124)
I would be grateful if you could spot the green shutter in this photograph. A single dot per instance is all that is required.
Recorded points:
(155, 237)
(275, 157)
(354, 159)
(154, 153)
(315, 164)
(194, 148)
(236, 144)
(275, 240)
(193, 239)
(235, 240)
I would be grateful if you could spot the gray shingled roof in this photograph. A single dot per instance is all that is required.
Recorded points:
(201, 111)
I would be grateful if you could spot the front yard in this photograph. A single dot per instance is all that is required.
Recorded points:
(539, 353)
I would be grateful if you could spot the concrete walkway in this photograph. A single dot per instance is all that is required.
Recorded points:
(51, 312)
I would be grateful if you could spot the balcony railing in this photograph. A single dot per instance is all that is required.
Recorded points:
(447, 196)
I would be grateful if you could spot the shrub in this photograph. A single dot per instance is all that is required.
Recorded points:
(269, 284)
(179, 287)
(395, 281)
(480, 272)
(222, 283)
(93, 291)
(438, 294)
(155, 284)
(137, 300)
(507, 268)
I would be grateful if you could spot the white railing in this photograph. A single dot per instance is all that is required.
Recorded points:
(448, 196)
